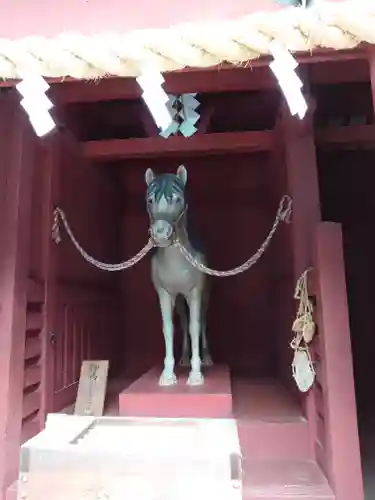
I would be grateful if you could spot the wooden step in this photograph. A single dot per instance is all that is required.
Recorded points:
(275, 440)
(284, 480)
(270, 420)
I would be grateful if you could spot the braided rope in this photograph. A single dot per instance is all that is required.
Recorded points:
(336, 26)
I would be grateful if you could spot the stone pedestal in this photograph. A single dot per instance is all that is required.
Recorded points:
(145, 398)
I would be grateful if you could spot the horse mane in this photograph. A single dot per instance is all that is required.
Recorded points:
(167, 185)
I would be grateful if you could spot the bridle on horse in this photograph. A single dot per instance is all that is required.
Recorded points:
(174, 224)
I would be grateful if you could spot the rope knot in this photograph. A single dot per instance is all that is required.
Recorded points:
(56, 235)
(285, 212)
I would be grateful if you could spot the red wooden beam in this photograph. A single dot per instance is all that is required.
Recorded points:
(234, 142)
(213, 80)
(350, 135)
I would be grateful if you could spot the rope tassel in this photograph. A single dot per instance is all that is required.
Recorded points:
(304, 329)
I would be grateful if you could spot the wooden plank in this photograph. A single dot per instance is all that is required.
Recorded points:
(92, 388)
(349, 135)
(29, 429)
(339, 71)
(225, 78)
(33, 348)
(35, 291)
(77, 291)
(32, 376)
(31, 403)
(234, 142)
(34, 321)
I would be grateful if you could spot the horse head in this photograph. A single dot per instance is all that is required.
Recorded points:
(166, 204)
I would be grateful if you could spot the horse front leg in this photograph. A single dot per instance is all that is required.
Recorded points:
(168, 376)
(195, 307)
(181, 310)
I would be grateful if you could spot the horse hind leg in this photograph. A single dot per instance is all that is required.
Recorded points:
(181, 311)
(195, 308)
(206, 356)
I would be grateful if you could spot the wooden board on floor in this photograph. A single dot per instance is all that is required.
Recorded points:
(92, 388)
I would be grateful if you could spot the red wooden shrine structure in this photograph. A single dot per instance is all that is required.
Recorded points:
(56, 310)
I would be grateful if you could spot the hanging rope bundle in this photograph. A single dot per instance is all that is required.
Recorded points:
(304, 330)
(333, 25)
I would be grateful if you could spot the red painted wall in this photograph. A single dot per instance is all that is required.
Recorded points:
(87, 306)
(233, 205)
(347, 181)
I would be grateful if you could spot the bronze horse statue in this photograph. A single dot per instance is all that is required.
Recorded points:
(176, 281)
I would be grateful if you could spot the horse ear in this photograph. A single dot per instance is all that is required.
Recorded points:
(149, 176)
(182, 174)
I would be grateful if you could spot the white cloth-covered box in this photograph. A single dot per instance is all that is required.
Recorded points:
(119, 458)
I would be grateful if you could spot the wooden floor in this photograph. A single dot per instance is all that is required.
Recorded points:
(253, 399)
(274, 440)
(264, 400)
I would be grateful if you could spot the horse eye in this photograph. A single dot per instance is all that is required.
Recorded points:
(149, 200)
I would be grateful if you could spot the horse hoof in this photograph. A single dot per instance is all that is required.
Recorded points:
(207, 361)
(167, 379)
(184, 362)
(195, 378)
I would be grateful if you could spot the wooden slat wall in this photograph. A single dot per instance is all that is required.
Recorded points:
(88, 319)
(319, 389)
(32, 362)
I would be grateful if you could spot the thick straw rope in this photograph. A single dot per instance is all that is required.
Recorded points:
(336, 26)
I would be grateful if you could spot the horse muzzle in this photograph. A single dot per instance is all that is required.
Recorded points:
(161, 232)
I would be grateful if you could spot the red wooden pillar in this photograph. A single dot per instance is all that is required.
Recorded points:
(16, 150)
(371, 50)
(51, 163)
(302, 182)
(344, 459)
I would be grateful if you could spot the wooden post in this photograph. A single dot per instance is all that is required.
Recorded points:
(344, 464)
(371, 52)
(302, 182)
(16, 143)
(50, 193)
